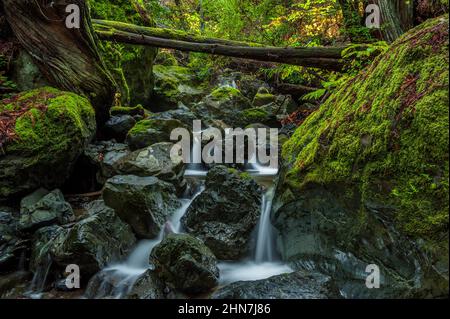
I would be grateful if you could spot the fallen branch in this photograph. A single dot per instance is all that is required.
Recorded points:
(318, 57)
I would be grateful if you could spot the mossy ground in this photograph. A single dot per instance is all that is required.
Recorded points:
(385, 134)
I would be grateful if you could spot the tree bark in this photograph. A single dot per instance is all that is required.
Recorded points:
(320, 57)
(397, 17)
(67, 57)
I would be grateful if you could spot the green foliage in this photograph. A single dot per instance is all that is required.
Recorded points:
(358, 56)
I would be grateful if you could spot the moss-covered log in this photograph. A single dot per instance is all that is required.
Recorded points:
(319, 57)
(166, 33)
(67, 57)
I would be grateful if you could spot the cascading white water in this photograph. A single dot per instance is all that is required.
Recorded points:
(265, 248)
(264, 263)
(125, 274)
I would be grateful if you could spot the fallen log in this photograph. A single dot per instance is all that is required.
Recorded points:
(166, 33)
(318, 57)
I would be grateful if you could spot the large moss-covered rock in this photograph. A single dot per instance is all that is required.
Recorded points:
(49, 134)
(365, 178)
(226, 213)
(185, 263)
(145, 203)
(130, 65)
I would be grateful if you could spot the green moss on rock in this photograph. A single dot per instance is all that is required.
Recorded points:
(50, 136)
(151, 131)
(173, 85)
(262, 99)
(255, 115)
(384, 135)
(123, 110)
(225, 93)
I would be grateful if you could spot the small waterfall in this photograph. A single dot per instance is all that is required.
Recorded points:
(40, 278)
(264, 262)
(196, 168)
(116, 281)
(265, 247)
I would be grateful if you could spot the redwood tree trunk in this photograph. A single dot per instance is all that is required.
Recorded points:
(67, 57)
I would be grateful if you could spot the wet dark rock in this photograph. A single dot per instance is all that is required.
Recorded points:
(44, 208)
(12, 247)
(103, 156)
(147, 286)
(91, 243)
(185, 263)
(14, 285)
(297, 285)
(184, 115)
(117, 127)
(145, 203)
(155, 161)
(226, 213)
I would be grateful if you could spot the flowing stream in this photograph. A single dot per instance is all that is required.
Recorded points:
(118, 279)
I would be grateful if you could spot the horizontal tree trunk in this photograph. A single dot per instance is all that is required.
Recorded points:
(319, 57)
(165, 33)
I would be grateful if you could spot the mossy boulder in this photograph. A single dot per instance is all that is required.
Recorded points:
(257, 115)
(186, 264)
(263, 98)
(175, 86)
(151, 131)
(50, 129)
(369, 170)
